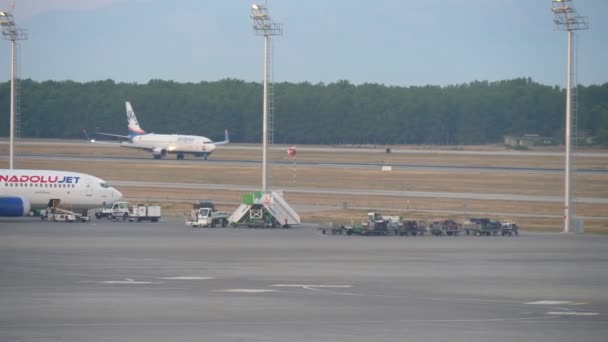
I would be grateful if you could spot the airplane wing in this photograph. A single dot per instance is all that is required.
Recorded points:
(120, 137)
(226, 139)
(92, 139)
(141, 146)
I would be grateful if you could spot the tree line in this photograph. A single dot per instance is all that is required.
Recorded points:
(479, 112)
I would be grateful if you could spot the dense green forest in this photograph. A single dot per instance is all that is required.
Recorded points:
(479, 112)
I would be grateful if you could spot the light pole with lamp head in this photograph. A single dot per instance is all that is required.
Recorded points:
(11, 32)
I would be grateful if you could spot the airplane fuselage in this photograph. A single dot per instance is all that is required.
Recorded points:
(74, 190)
(161, 144)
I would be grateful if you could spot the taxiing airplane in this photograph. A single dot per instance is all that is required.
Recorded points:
(162, 144)
(22, 191)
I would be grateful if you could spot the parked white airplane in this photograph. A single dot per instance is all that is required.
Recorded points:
(162, 144)
(22, 191)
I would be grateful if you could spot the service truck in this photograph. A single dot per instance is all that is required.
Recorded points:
(206, 217)
(117, 209)
(144, 212)
(121, 210)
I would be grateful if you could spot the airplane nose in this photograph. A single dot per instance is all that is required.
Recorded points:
(116, 195)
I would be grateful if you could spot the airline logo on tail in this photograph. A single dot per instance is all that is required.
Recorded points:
(134, 129)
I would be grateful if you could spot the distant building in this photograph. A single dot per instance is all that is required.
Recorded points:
(528, 140)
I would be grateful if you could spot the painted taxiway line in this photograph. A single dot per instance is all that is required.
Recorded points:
(187, 278)
(245, 291)
(556, 302)
(572, 313)
(126, 281)
(309, 286)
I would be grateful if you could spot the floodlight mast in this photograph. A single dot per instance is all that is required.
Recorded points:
(11, 32)
(566, 19)
(263, 25)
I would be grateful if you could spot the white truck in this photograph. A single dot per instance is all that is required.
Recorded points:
(206, 217)
(144, 212)
(123, 211)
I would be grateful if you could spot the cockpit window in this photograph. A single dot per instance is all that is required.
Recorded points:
(104, 185)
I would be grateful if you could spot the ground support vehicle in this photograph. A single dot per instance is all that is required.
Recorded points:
(377, 230)
(393, 222)
(445, 227)
(122, 211)
(203, 204)
(144, 212)
(340, 230)
(411, 227)
(347, 230)
(62, 215)
(103, 212)
(118, 209)
(482, 226)
(509, 228)
(56, 214)
(257, 216)
(264, 210)
(206, 217)
(363, 230)
(376, 225)
(471, 227)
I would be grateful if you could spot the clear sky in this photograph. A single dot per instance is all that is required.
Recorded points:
(393, 42)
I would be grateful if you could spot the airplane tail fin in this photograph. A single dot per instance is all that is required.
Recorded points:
(134, 129)
(226, 139)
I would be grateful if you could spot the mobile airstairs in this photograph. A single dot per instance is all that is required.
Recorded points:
(260, 209)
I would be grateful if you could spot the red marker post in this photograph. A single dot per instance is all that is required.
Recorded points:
(292, 153)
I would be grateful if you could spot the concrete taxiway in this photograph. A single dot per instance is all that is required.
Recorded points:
(115, 281)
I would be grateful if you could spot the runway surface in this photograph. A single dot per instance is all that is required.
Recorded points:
(341, 165)
(114, 281)
(456, 150)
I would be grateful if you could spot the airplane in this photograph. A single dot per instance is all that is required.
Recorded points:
(22, 191)
(162, 144)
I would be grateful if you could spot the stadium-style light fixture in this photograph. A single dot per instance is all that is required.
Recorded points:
(566, 19)
(263, 25)
(11, 32)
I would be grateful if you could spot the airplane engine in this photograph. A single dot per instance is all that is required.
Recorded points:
(14, 206)
(159, 152)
